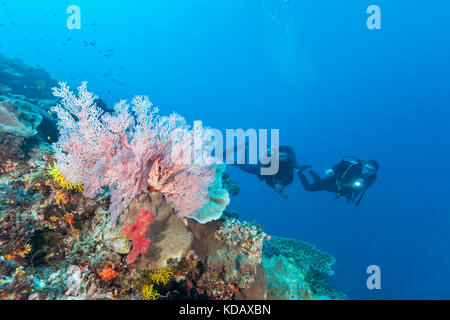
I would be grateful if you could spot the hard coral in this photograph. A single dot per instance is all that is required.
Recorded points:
(136, 232)
(305, 255)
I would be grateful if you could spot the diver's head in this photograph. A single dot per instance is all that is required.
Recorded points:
(282, 156)
(370, 167)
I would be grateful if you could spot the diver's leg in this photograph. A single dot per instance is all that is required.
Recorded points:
(315, 176)
(316, 186)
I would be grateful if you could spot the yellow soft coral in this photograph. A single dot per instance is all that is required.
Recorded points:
(148, 293)
(61, 198)
(163, 275)
(59, 179)
(18, 272)
(19, 252)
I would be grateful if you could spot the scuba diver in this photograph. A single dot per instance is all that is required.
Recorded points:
(285, 174)
(350, 178)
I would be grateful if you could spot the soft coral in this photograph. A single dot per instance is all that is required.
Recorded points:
(136, 232)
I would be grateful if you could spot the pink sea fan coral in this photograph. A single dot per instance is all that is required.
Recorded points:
(127, 150)
(183, 181)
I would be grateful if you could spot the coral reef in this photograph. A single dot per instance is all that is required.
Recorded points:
(296, 270)
(112, 211)
(67, 249)
(19, 118)
(21, 79)
(304, 254)
(24, 117)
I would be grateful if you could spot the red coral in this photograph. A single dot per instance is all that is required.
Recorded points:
(136, 232)
(108, 273)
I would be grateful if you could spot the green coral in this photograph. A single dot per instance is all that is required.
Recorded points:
(148, 293)
(163, 275)
(297, 270)
(305, 255)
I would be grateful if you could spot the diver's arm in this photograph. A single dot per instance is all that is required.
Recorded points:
(361, 196)
(369, 183)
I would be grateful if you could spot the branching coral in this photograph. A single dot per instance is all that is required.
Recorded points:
(163, 275)
(18, 253)
(130, 151)
(148, 293)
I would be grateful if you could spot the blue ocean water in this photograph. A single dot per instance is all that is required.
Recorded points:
(309, 68)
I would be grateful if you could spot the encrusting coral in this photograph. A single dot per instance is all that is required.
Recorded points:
(297, 270)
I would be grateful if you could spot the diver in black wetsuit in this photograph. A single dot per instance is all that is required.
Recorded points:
(350, 178)
(285, 174)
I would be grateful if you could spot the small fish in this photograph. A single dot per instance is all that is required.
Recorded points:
(68, 39)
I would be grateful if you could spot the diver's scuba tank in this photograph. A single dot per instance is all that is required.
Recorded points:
(355, 186)
(352, 159)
